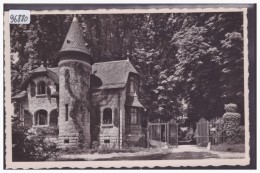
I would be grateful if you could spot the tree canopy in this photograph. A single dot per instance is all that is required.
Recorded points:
(189, 63)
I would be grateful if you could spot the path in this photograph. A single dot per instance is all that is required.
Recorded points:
(195, 152)
(180, 153)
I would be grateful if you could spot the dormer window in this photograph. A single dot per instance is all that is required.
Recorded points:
(41, 88)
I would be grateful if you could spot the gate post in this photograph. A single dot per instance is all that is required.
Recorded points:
(160, 133)
(177, 135)
(168, 133)
(148, 137)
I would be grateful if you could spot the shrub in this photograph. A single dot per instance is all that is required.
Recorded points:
(231, 125)
(85, 146)
(231, 107)
(29, 145)
(126, 143)
(104, 149)
(95, 145)
(70, 150)
(231, 120)
(50, 130)
(240, 135)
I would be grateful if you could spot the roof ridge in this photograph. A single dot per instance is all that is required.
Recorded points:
(40, 67)
(111, 61)
(51, 67)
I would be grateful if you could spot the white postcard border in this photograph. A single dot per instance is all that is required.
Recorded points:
(119, 164)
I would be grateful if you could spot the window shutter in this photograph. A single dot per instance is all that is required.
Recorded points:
(116, 117)
(48, 91)
(27, 119)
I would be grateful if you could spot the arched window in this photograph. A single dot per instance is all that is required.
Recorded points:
(40, 117)
(107, 116)
(54, 118)
(33, 89)
(41, 87)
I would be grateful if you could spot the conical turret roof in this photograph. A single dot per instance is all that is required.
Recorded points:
(74, 41)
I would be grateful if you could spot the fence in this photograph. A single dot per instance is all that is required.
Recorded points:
(207, 132)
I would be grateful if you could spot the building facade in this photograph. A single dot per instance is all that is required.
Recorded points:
(83, 101)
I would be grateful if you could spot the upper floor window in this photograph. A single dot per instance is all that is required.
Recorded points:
(67, 78)
(33, 89)
(41, 87)
(132, 84)
(107, 116)
(133, 115)
(41, 117)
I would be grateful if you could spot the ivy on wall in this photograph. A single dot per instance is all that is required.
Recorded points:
(80, 105)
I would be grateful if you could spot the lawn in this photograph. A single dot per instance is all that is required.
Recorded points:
(240, 148)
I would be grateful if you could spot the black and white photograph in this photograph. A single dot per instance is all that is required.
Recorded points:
(165, 87)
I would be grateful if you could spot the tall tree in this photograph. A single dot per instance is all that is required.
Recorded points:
(193, 59)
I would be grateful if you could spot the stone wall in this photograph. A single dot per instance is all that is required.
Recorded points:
(112, 134)
(69, 129)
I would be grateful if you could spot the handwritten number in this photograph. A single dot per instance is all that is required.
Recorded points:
(18, 18)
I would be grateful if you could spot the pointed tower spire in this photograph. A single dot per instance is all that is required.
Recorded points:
(74, 51)
(75, 19)
(74, 41)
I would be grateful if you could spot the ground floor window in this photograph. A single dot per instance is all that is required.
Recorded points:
(41, 117)
(133, 116)
(107, 116)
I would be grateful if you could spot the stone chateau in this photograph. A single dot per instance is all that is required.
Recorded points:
(80, 101)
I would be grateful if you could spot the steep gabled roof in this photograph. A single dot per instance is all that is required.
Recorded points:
(20, 95)
(52, 73)
(113, 74)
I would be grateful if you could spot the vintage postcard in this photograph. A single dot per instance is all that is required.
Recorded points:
(126, 88)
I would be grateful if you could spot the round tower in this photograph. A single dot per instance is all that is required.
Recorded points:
(74, 82)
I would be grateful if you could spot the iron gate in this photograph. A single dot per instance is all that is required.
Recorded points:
(202, 132)
(163, 134)
(173, 134)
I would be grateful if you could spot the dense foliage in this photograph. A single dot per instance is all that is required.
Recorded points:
(31, 145)
(231, 125)
(190, 63)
